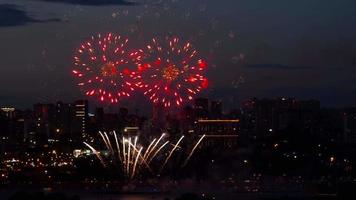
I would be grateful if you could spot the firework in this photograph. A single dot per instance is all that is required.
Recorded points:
(135, 164)
(103, 66)
(193, 150)
(117, 146)
(170, 154)
(158, 150)
(130, 154)
(97, 154)
(172, 71)
(149, 147)
(154, 147)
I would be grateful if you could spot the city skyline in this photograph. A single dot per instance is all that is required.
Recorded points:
(147, 110)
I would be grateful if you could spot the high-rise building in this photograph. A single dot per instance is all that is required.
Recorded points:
(9, 112)
(45, 115)
(111, 122)
(281, 115)
(201, 108)
(187, 119)
(81, 111)
(123, 117)
(123, 112)
(218, 131)
(11, 128)
(99, 118)
(349, 125)
(64, 121)
(159, 117)
(216, 109)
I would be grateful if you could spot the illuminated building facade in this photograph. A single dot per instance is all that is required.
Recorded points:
(44, 121)
(266, 117)
(9, 112)
(218, 131)
(81, 111)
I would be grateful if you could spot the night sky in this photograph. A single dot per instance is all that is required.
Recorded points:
(262, 48)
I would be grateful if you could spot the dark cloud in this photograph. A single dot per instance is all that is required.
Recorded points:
(92, 2)
(13, 15)
(276, 66)
(339, 52)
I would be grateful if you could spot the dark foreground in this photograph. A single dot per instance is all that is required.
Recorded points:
(95, 194)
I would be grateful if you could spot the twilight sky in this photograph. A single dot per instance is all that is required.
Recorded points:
(262, 48)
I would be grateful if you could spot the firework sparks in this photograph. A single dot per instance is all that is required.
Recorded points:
(154, 147)
(170, 154)
(96, 154)
(117, 146)
(131, 155)
(193, 150)
(128, 155)
(158, 150)
(123, 149)
(104, 139)
(103, 67)
(148, 148)
(109, 143)
(135, 164)
(142, 159)
(172, 72)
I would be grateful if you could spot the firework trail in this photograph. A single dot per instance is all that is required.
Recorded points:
(148, 148)
(158, 150)
(128, 156)
(191, 153)
(170, 154)
(172, 72)
(154, 147)
(123, 149)
(109, 143)
(96, 153)
(106, 142)
(117, 146)
(135, 164)
(142, 158)
(135, 143)
(104, 67)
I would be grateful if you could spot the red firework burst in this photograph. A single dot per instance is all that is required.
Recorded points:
(172, 72)
(102, 66)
